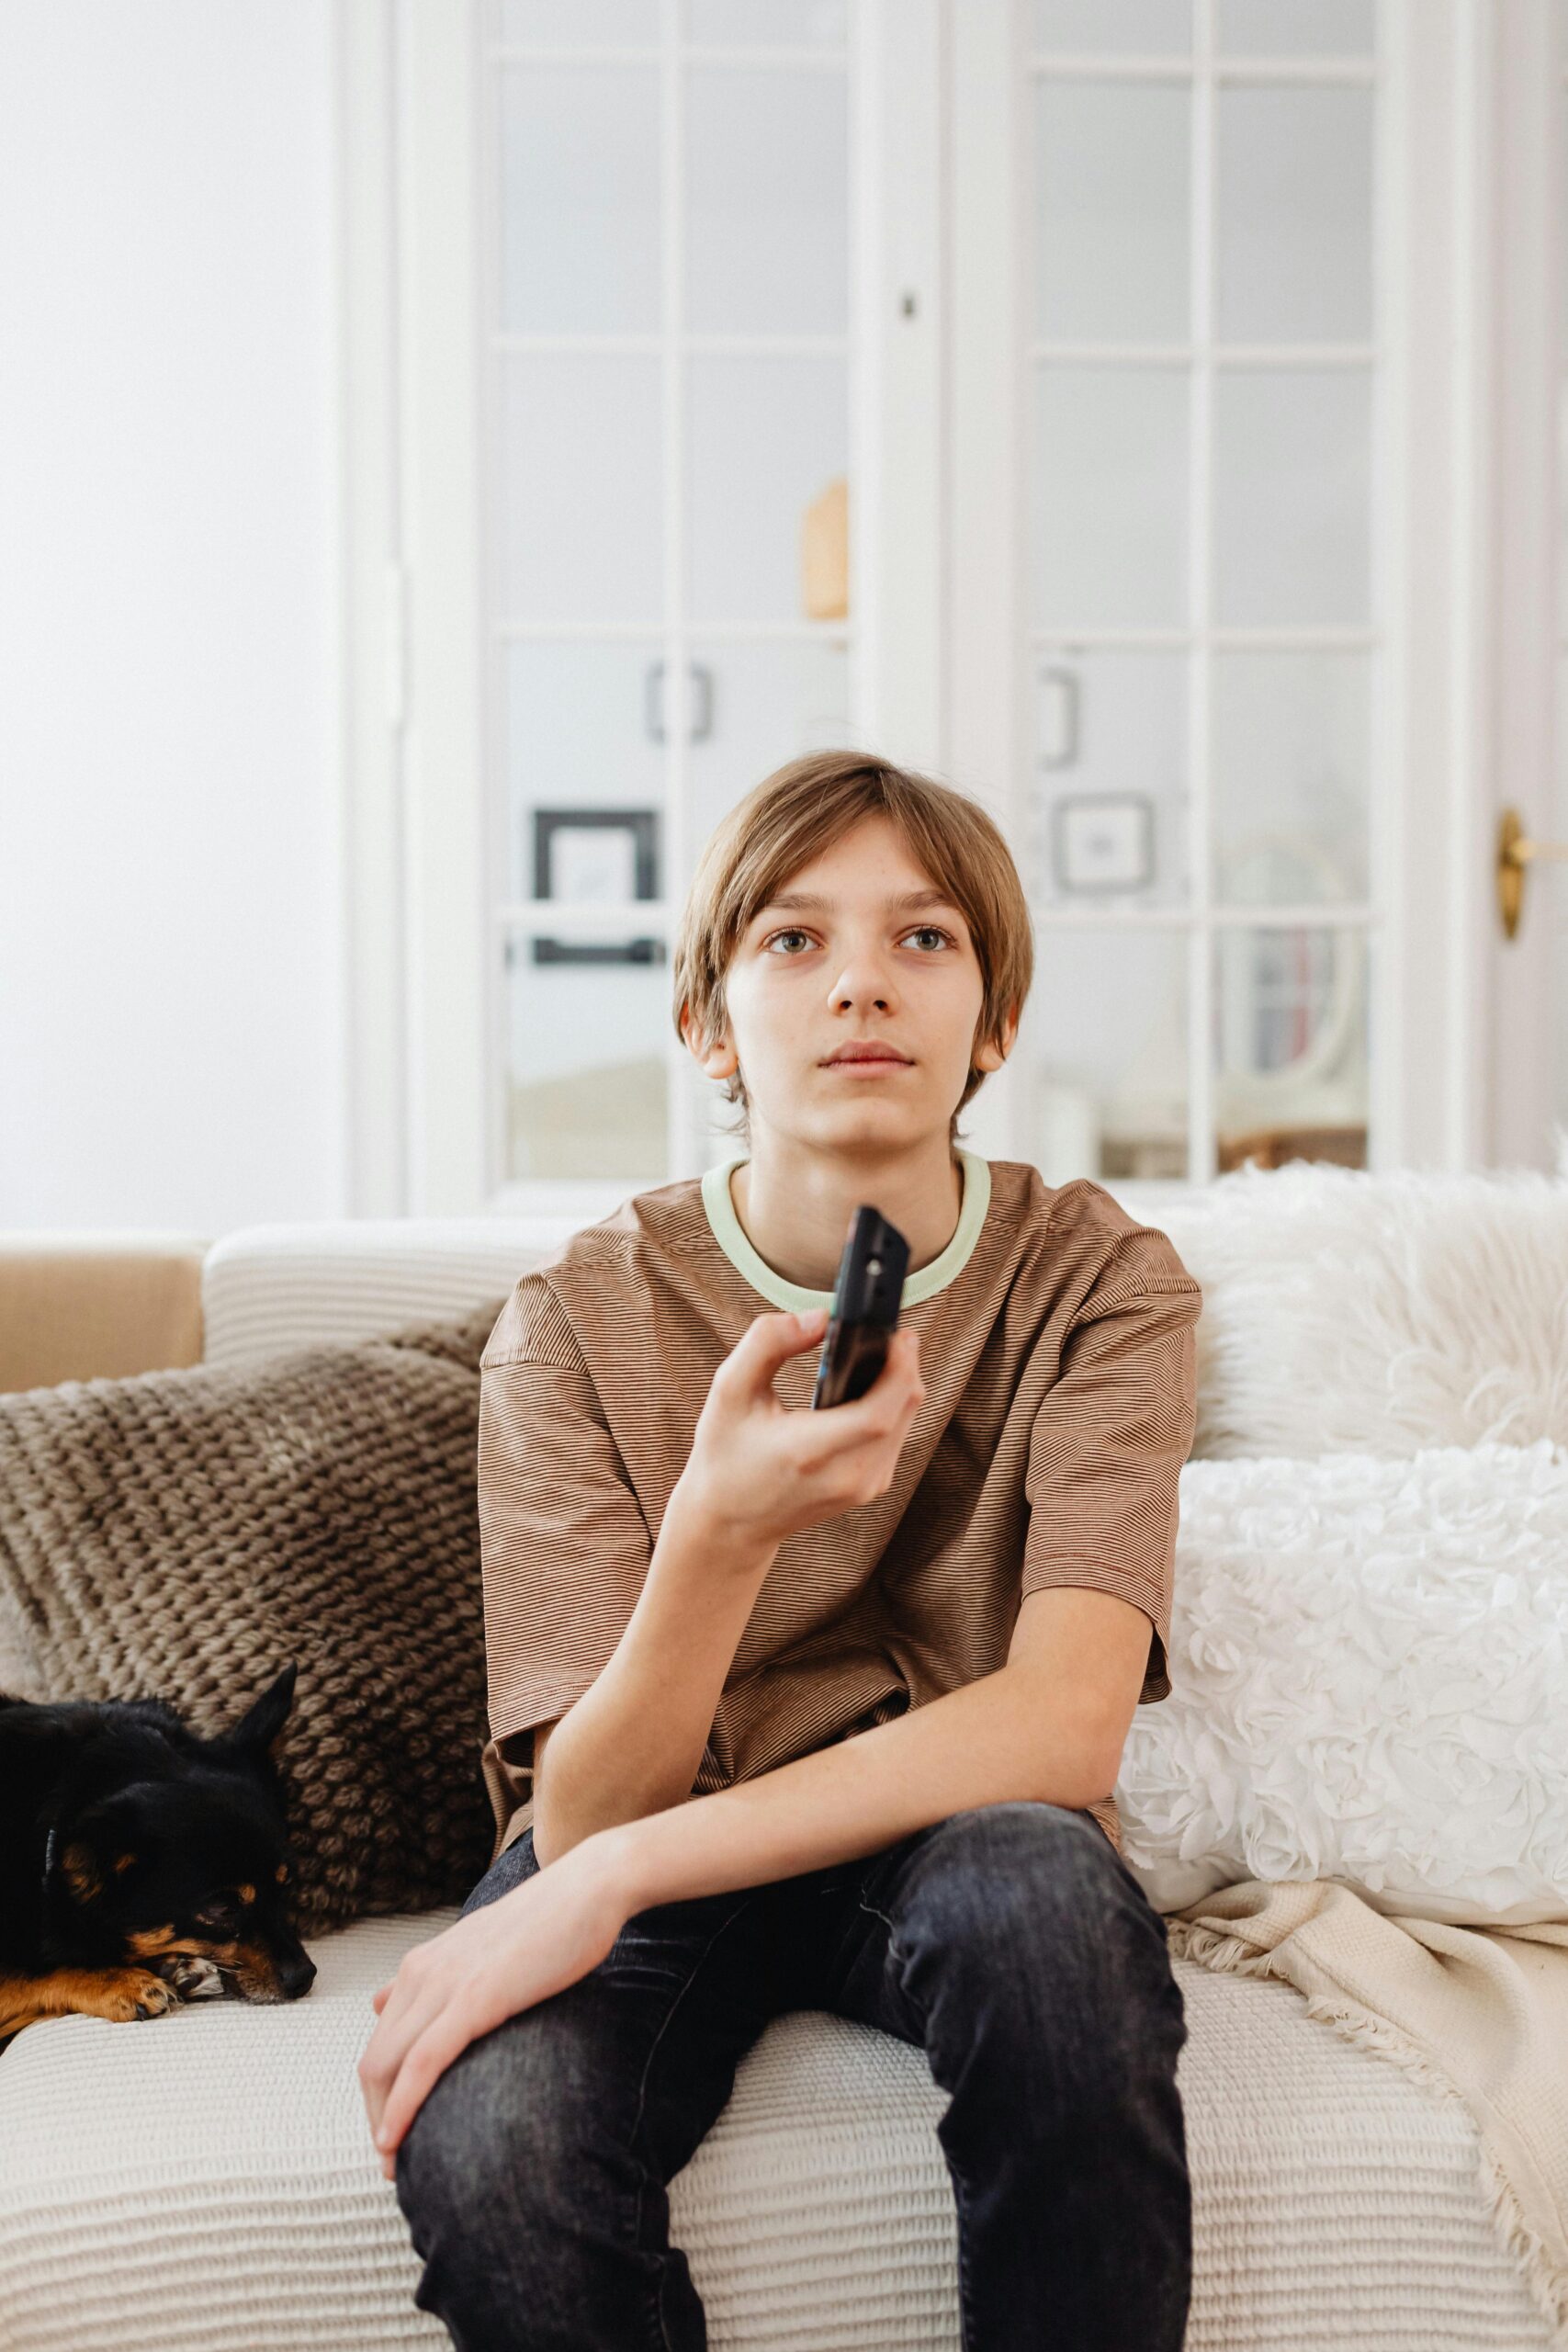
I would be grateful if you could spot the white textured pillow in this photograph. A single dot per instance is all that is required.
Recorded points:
(1347, 1312)
(1369, 1664)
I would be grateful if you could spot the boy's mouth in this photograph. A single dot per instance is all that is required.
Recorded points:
(870, 1053)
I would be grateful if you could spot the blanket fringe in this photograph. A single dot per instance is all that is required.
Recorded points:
(1233, 1956)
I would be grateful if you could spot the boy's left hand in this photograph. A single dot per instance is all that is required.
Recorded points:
(541, 1936)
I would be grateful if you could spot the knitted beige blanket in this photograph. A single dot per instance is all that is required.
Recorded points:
(1478, 2014)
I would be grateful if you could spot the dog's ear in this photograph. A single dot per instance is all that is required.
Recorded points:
(98, 1845)
(261, 1725)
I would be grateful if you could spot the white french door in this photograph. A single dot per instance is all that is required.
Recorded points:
(1194, 215)
(1137, 339)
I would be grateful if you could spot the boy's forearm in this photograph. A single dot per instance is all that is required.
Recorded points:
(631, 1746)
(986, 1744)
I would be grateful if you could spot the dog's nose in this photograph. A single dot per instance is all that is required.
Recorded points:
(297, 1976)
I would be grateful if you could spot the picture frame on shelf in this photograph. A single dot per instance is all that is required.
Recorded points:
(1102, 841)
(596, 856)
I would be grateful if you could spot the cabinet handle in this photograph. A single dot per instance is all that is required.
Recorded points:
(701, 706)
(1067, 684)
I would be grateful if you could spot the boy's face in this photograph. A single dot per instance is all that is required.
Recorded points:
(854, 965)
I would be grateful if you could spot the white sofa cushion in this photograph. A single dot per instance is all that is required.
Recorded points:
(206, 2178)
(1347, 1312)
(269, 1287)
(1368, 1660)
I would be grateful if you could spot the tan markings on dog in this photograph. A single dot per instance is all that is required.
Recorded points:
(81, 1873)
(281, 1874)
(155, 1943)
(255, 1968)
(124, 1861)
(145, 1942)
(247, 1960)
(117, 1994)
(247, 1893)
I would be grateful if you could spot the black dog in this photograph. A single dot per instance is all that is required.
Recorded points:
(139, 1863)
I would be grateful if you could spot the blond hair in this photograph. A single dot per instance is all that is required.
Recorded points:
(802, 810)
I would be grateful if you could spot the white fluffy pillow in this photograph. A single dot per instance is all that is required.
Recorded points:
(1370, 1682)
(1358, 1313)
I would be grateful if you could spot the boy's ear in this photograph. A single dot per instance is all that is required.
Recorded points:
(990, 1055)
(717, 1059)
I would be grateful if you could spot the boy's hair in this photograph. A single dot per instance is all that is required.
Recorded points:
(803, 809)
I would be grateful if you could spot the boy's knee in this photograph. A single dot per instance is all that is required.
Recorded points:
(501, 2128)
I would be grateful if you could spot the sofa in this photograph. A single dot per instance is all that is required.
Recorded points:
(207, 2178)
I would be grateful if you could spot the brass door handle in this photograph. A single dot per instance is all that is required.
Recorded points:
(1515, 851)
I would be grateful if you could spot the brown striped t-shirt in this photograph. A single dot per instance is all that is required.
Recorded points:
(1057, 1351)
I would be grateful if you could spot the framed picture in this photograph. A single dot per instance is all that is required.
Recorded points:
(596, 857)
(1103, 840)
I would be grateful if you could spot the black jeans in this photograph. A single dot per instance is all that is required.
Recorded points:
(1011, 1941)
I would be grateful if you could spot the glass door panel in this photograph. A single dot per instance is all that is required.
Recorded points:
(587, 1067)
(748, 24)
(1106, 824)
(1103, 1041)
(585, 24)
(1112, 165)
(1110, 496)
(582, 721)
(767, 201)
(1292, 1031)
(1293, 249)
(766, 437)
(1103, 25)
(580, 163)
(1292, 777)
(1296, 28)
(581, 517)
(1292, 515)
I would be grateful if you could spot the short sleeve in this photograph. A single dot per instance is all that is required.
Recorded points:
(1110, 1437)
(564, 1545)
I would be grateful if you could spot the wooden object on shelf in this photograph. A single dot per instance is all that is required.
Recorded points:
(1272, 1146)
(825, 554)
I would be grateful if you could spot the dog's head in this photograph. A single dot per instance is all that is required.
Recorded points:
(189, 1860)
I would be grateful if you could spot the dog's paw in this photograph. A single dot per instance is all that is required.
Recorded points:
(129, 1992)
(192, 1975)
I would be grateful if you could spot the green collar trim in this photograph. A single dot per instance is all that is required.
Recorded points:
(730, 1236)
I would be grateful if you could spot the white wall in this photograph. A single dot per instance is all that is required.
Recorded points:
(170, 1018)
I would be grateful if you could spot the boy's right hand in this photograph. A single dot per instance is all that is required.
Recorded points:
(760, 1472)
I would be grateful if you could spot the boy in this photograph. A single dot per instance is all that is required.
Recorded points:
(799, 1710)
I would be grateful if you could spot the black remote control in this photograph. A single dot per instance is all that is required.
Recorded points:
(864, 1313)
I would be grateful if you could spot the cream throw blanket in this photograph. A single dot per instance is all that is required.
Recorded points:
(1480, 2013)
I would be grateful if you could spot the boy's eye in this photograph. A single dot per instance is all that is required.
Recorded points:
(927, 929)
